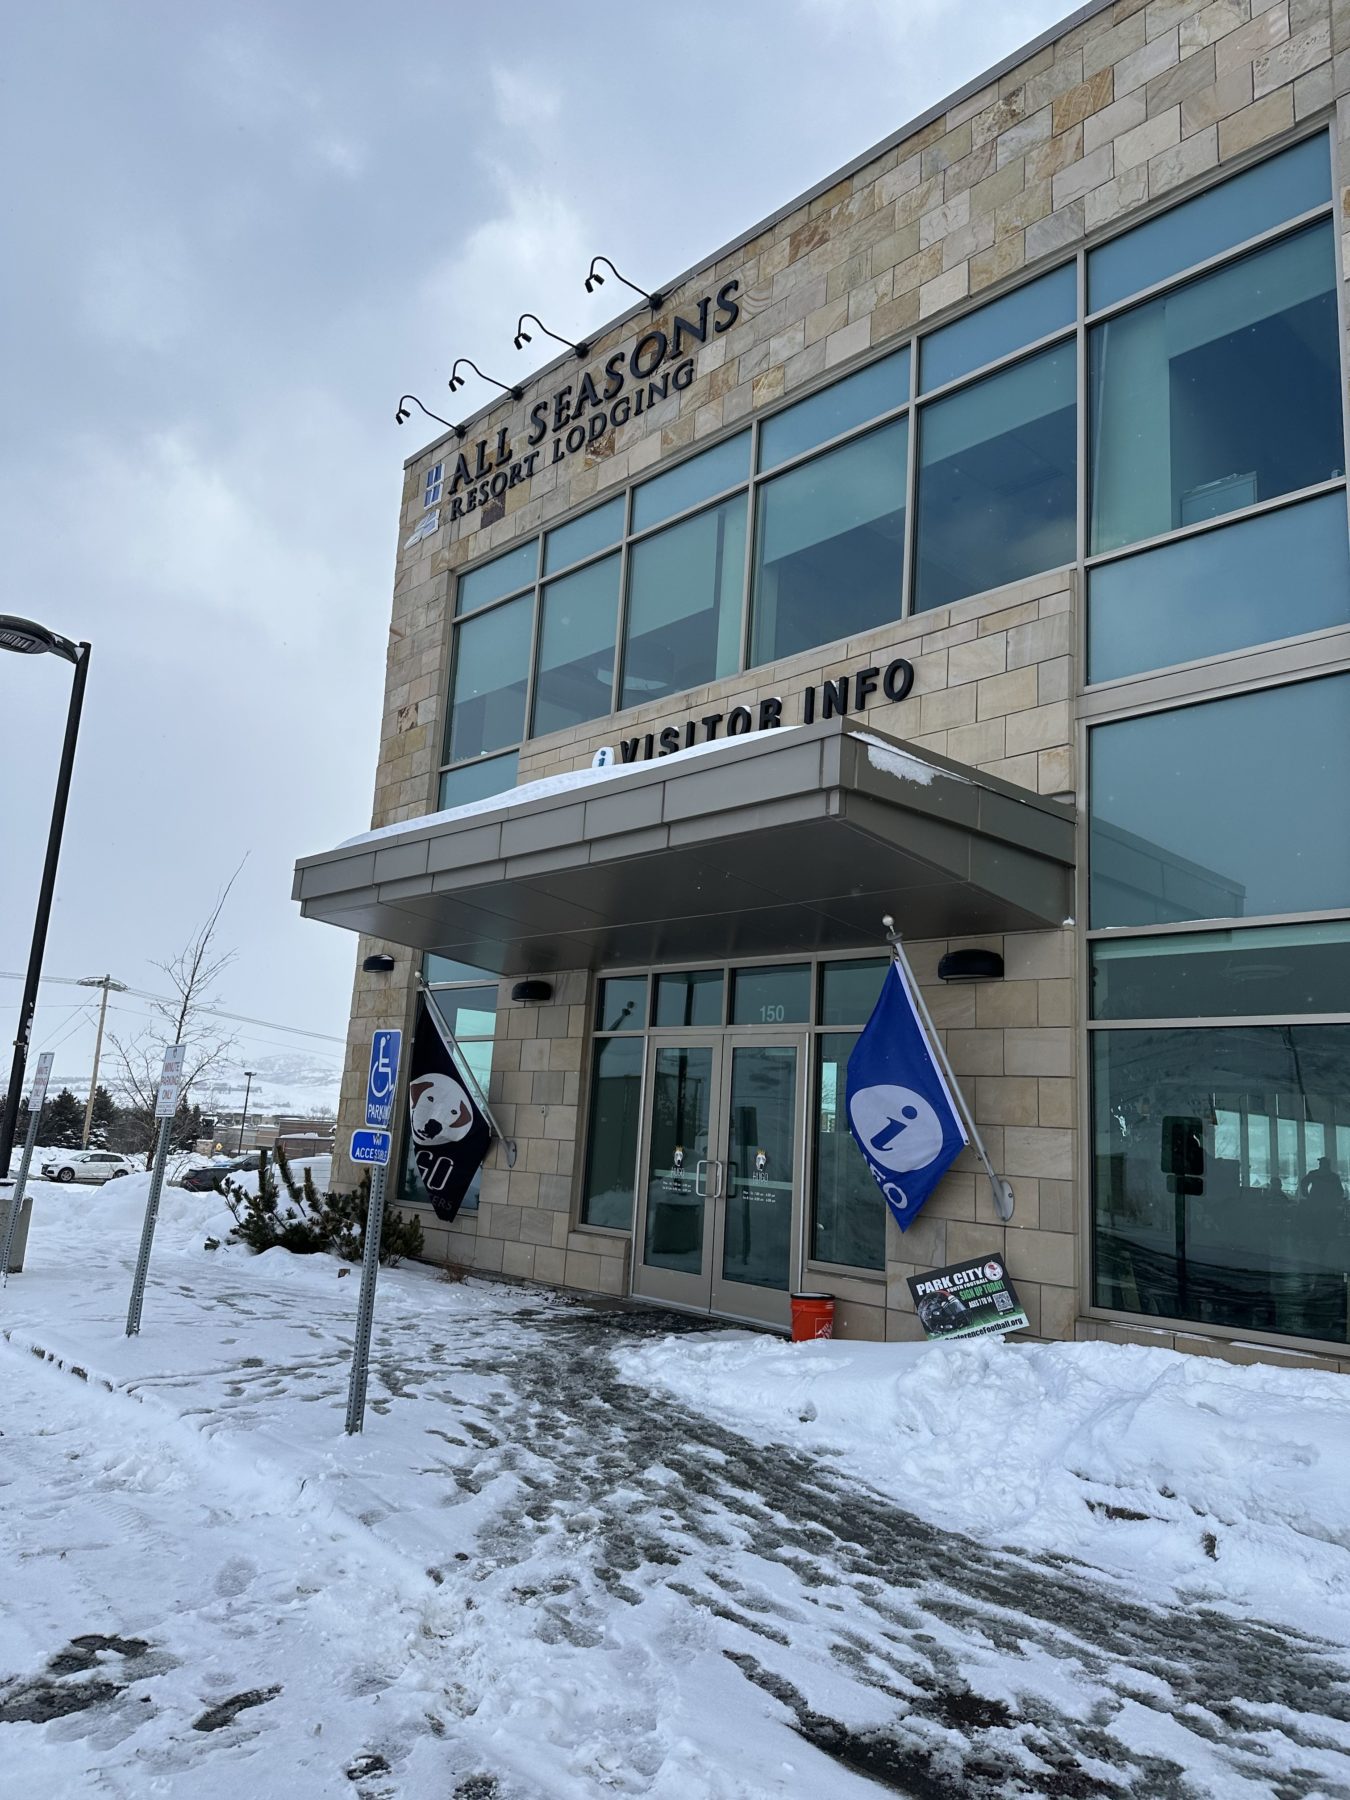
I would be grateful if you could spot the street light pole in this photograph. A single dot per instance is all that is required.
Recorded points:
(248, 1084)
(29, 639)
(105, 982)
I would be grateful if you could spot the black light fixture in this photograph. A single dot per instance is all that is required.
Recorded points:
(581, 350)
(971, 965)
(535, 991)
(379, 964)
(457, 380)
(656, 299)
(403, 414)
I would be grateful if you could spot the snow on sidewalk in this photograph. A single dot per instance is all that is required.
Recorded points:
(580, 1552)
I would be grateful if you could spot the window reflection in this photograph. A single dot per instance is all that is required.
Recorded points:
(576, 647)
(612, 1145)
(849, 1222)
(492, 661)
(684, 604)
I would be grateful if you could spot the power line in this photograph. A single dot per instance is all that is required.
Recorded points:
(215, 1012)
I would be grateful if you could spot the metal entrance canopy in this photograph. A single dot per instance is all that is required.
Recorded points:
(791, 840)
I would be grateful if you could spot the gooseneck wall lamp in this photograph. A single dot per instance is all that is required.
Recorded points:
(403, 414)
(656, 299)
(26, 638)
(580, 351)
(457, 380)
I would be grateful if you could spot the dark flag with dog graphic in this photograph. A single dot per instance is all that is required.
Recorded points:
(450, 1133)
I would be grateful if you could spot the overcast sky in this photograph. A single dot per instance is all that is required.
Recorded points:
(234, 235)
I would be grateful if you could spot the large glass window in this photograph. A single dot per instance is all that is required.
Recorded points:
(608, 1191)
(492, 661)
(997, 497)
(692, 999)
(477, 780)
(577, 623)
(1219, 394)
(849, 1221)
(689, 482)
(776, 995)
(1282, 187)
(1230, 809)
(830, 546)
(583, 537)
(1221, 590)
(1220, 1164)
(1271, 969)
(877, 389)
(494, 580)
(684, 604)
(995, 330)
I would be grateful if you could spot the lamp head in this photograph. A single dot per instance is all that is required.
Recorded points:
(27, 638)
(593, 282)
(523, 338)
(456, 383)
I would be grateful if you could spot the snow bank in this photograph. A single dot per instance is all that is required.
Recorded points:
(1230, 1483)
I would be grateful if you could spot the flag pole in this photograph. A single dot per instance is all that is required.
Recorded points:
(1002, 1190)
(508, 1144)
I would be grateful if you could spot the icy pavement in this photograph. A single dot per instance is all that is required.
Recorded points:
(552, 1567)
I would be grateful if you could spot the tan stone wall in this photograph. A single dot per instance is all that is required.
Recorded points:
(1121, 113)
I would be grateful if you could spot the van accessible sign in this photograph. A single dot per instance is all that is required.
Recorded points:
(827, 700)
(967, 1299)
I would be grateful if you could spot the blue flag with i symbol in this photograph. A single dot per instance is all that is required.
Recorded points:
(900, 1109)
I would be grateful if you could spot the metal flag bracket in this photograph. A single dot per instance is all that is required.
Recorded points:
(1002, 1190)
(508, 1144)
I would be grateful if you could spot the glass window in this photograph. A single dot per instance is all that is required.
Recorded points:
(775, 996)
(477, 780)
(612, 1142)
(693, 999)
(1220, 1161)
(1217, 395)
(996, 480)
(1224, 974)
(431, 493)
(503, 575)
(444, 968)
(830, 546)
(1242, 208)
(999, 328)
(468, 1012)
(577, 630)
(492, 660)
(684, 604)
(595, 530)
(849, 990)
(879, 388)
(697, 479)
(849, 1225)
(1221, 590)
(621, 1003)
(1231, 809)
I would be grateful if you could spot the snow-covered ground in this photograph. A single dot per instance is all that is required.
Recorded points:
(581, 1552)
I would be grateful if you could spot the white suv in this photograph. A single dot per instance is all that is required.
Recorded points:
(87, 1165)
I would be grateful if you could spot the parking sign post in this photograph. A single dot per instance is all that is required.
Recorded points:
(36, 1100)
(167, 1098)
(372, 1147)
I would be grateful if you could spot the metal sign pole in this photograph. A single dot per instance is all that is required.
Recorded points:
(36, 1101)
(167, 1098)
(1003, 1194)
(365, 1311)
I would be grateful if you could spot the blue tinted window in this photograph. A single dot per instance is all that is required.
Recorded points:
(692, 481)
(595, 530)
(684, 604)
(1221, 590)
(445, 968)
(877, 389)
(492, 662)
(478, 780)
(1252, 969)
(1219, 394)
(997, 497)
(577, 631)
(503, 575)
(1028, 313)
(1227, 810)
(1256, 201)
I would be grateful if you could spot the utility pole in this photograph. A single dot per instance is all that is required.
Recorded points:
(107, 983)
(243, 1119)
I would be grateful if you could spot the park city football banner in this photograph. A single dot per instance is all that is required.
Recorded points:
(450, 1133)
(967, 1299)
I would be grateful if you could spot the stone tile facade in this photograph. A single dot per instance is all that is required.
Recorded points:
(1126, 108)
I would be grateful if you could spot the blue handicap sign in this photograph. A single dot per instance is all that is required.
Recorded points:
(371, 1146)
(382, 1081)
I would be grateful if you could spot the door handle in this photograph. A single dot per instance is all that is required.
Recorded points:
(717, 1194)
(700, 1179)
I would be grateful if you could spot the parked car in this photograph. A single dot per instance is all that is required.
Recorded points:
(87, 1165)
(210, 1175)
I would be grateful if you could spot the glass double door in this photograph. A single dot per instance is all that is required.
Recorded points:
(720, 1200)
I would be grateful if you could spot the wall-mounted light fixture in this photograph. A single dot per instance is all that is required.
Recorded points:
(535, 991)
(403, 414)
(457, 380)
(656, 299)
(379, 964)
(971, 965)
(581, 351)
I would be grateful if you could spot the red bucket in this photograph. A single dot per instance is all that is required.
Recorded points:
(812, 1317)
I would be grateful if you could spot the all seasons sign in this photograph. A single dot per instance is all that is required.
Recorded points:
(827, 700)
(579, 414)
